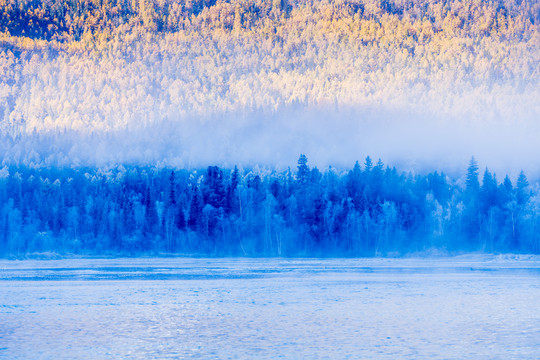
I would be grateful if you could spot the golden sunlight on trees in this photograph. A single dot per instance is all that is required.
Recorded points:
(134, 62)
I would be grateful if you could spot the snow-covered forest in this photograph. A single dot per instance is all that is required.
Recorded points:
(113, 64)
(131, 67)
(370, 210)
(107, 106)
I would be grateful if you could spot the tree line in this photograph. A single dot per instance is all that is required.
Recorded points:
(370, 210)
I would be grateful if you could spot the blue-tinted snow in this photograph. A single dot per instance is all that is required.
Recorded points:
(464, 307)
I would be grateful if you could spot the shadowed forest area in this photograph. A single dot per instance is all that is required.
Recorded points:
(371, 210)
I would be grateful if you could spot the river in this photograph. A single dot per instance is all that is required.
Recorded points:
(481, 307)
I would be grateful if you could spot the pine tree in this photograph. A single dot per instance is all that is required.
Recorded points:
(471, 181)
(303, 169)
(507, 184)
(488, 193)
(368, 165)
(213, 189)
(472, 217)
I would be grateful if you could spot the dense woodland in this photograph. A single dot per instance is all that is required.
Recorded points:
(370, 210)
(105, 65)
(72, 71)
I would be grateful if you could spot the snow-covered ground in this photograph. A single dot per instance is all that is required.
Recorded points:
(481, 307)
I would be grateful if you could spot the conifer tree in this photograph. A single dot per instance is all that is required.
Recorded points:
(471, 182)
(522, 185)
(303, 169)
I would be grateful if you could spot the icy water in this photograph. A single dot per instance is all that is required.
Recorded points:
(482, 307)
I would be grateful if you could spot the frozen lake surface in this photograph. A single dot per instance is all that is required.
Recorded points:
(481, 307)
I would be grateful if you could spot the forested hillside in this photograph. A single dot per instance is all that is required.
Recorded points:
(87, 85)
(368, 211)
(105, 65)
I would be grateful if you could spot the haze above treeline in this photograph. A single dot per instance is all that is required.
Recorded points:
(193, 83)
